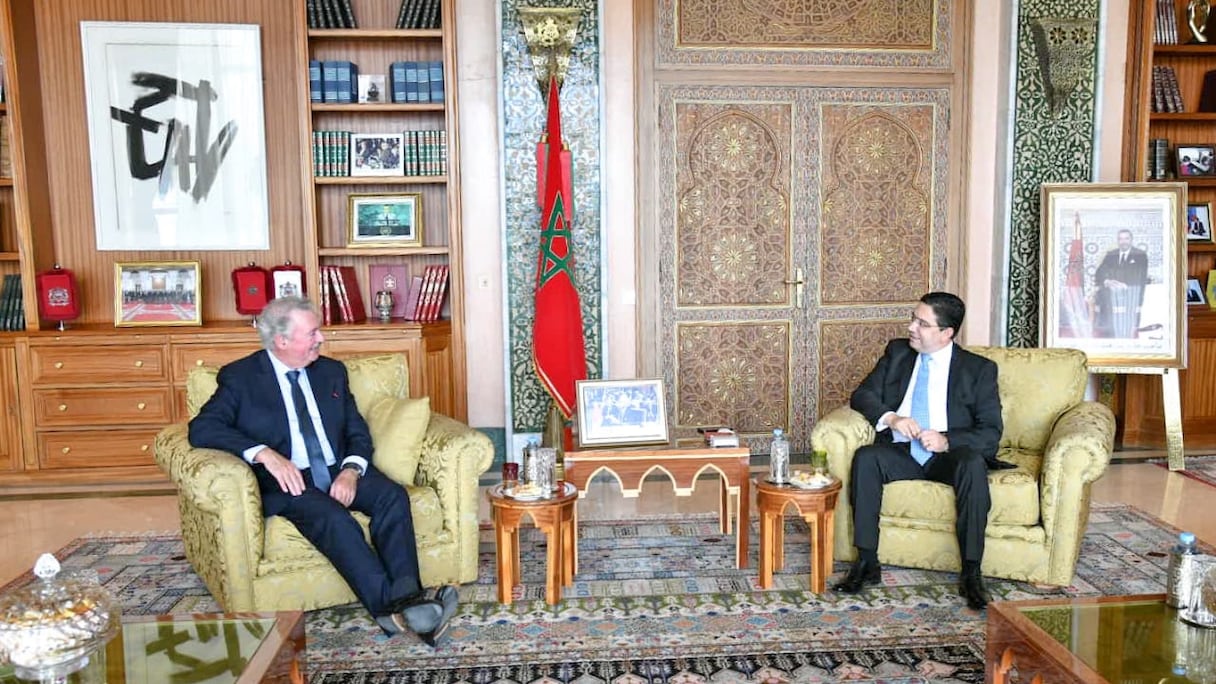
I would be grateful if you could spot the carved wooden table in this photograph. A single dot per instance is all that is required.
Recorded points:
(683, 466)
(817, 507)
(553, 516)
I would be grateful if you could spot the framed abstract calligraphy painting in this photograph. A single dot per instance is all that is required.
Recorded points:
(1114, 272)
(176, 135)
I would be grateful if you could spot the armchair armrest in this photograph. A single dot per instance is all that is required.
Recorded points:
(453, 458)
(841, 433)
(221, 510)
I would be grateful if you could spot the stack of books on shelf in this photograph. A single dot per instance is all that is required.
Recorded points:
(331, 153)
(416, 82)
(12, 312)
(1167, 23)
(426, 153)
(330, 14)
(427, 294)
(1158, 158)
(341, 298)
(1167, 98)
(333, 80)
(6, 151)
(420, 14)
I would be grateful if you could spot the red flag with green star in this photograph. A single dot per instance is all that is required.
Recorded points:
(558, 350)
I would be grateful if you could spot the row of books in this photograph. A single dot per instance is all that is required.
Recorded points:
(6, 150)
(1167, 98)
(1167, 23)
(338, 81)
(330, 14)
(424, 153)
(342, 300)
(1158, 159)
(420, 14)
(12, 311)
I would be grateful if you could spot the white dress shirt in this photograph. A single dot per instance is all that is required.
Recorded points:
(939, 381)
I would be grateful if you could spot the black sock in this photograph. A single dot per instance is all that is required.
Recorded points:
(971, 567)
(867, 555)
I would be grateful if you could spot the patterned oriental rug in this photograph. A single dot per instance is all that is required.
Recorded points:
(1202, 468)
(658, 600)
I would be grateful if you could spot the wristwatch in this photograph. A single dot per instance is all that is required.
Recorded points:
(353, 466)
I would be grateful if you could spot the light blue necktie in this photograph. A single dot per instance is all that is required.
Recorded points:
(920, 408)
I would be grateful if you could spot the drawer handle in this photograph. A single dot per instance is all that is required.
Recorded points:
(141, 406)
(198, 362)
(63, 407)
(58, 364)
(66, 449)
(143, 447)
(139, 364)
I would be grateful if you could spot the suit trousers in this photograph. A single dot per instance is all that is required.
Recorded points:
(877, 464)
(379, 576)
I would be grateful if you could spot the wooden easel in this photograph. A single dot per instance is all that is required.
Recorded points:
(1171, 410)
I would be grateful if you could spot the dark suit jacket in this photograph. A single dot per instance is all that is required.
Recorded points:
(247, 409)
(973, 405)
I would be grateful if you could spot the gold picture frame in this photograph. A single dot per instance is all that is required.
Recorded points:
(384, 219)
(157, 293)
(1113, 272)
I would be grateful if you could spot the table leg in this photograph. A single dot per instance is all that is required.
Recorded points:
(767, 549)
(743, 516)
(569, 544)
(723, 504)
(553, 566)
(779, 539)
(829, 541)
(516, 574)
(508, 558)
(814, 523)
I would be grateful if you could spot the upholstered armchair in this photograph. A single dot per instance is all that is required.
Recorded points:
(253, 563)
(1060, 444)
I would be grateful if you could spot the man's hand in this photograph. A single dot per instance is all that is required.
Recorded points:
(344, 486)
(284, 471)
(934, 441)
(905, 425)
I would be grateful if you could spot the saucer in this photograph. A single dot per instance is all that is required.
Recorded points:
(815, 484)
(518, 496)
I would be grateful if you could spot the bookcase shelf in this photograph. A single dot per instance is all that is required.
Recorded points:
(380, 180)
(1183, 116)
(10, 256)
(381, 251)
(386, 107)
(1188, 50)
(6, 182)
(375, 34)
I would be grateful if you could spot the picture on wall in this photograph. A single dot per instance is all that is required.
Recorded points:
(176, 135)
(1113, 272)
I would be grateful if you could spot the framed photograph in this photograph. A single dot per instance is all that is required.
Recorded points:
(1195, 160)
(157, 293)
(377, 154)
(1211, 291)
(621, 412)
(1199, 222)
(176, 135)
(287, 283)
(1194, 292)
(371, 89)
(384, 220)
(1114, 272)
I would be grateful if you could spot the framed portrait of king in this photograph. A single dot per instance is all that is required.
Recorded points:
(1113, 272)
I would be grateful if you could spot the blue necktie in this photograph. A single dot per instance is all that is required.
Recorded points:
(920, 408)
(316, 457)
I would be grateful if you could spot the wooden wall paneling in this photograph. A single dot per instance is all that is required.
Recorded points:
(10, 416)
(59, 52)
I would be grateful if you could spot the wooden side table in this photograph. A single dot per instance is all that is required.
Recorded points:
(817, 507)
(555, 517)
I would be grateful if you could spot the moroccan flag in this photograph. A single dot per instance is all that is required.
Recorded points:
(1074, 309)
(558, 350)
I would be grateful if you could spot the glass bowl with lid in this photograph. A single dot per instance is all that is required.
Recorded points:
(51, 626)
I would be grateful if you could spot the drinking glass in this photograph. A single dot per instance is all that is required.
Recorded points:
(819, 462)
(510, 473)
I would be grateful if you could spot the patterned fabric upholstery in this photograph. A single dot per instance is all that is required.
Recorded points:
(250, 563)
(1060, 443)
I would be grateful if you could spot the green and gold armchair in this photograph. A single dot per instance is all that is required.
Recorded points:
(1060, 444)
(253, 563)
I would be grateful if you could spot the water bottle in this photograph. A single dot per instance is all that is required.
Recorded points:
(527, 466)
(1180, 579)
(779, 458)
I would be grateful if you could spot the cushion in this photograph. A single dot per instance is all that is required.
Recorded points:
(1037, 386)
(398, 427)
(1015, 497)
(200, 385)
(373, 378)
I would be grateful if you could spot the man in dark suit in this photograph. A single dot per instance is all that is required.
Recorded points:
(290, 414)
(1120, 281)
(937, 415)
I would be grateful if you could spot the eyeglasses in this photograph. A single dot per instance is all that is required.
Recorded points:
(922, 323)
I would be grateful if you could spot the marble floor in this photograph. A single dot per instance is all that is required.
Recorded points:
(29, 527)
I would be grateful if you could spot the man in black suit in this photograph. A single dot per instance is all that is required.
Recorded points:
(1120, 281)
(937, 415)
(290, 414)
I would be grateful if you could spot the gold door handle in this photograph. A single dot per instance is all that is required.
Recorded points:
(799, 283)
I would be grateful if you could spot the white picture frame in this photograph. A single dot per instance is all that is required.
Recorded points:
(153, 187)
(621, 412)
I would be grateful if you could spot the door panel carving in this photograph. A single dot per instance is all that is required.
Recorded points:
(734, 374)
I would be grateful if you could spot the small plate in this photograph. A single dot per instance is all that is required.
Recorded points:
(523, 497)
(819, 484)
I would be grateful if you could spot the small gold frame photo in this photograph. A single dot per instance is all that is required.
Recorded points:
(157, 293)
(384, 220)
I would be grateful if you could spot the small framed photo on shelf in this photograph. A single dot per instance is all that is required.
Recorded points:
(287, 283)
(157, 293)
(1195, 160)
(1211, 291)
(1194, 292)
(384, 220)
(621, 412)
(371, 89)
(377, 154)
(1199, 222)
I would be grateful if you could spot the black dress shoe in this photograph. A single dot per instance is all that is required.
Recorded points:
(418, 615)
(971, 587)
(449, 598)
(862, 573)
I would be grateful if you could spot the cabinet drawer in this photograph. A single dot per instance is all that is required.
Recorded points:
(100, 364)
(102, 407)
(96, 448)
(188, 357)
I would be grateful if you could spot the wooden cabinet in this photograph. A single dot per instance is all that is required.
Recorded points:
(1143, 422)
(10, 412)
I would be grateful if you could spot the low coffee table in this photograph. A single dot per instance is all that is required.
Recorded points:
(1098, 639)
(817, 507)
(683, 466)
(553, 516)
